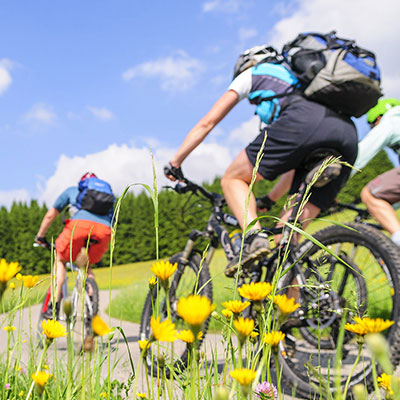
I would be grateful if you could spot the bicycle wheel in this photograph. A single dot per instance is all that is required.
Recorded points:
(365, 281)
(189, 278)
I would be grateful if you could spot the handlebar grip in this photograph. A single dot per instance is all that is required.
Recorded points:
(174, 171)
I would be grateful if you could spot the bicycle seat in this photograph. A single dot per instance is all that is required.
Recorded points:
(313, 163)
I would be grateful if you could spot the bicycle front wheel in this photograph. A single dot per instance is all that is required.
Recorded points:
(191, 277)
(358, 276)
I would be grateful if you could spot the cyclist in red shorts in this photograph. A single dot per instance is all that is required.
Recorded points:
(90, 205)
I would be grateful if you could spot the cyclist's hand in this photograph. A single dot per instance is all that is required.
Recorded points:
(42, 241)
(173, 173)
(264, 203)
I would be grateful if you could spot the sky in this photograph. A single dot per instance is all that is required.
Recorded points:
(104, 85)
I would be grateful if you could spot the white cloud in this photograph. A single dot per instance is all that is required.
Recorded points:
(374, 27)
(41, 113)
(246, 34)
(7, 197)
(245, 133)
(5, 76)
(177, 72)
(226, 6)
(101, 113)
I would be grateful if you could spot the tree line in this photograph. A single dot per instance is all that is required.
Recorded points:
(135, 233)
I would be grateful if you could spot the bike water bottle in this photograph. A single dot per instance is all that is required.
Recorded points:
(236, 239)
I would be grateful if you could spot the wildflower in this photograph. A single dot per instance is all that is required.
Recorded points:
(141, 395)
(187, 336)
(53, 329)
(45, 366)
(285, 304)
(152, 282)
(12, 285)
(103, 395)
(144, 344)
(227, 313)
(254, 334)
(255, 291)
(163, 331)
(10, 328)
(273, 338)
(41, 378)
(266, 391)
(385, 382)
(243, 326)
(30, 281)
(8, 270)
(245, 377)
(100, 327)
(19, 277)
(194, 309)
(21, 393)
(7, 386)
(368, 325)
(163, 270)
(236, 306)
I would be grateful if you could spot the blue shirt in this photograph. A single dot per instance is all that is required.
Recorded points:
(68, 197)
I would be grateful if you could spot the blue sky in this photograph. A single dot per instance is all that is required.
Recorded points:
(93, 85)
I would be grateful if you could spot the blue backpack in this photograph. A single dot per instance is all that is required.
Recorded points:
(95, 195)
(335, 72)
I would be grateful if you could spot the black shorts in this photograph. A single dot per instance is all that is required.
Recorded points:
(303, 127)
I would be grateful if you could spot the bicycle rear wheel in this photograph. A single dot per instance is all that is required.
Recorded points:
(364, 282)
(189, 278)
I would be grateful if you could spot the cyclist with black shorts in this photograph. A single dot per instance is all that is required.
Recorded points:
(91, 211)
(297, 127)
(383, 191)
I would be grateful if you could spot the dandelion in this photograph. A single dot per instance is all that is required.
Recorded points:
(385, 382)
(163, 270)
(30, 281)
(141, 395)
(227, 313)
(152, 282)
(195, 309)
(273, 338)
(99, 326)
(103, 395)
(244, 327)
(163, 331)
(245, 377)
(368, 325)
(266, 391)
(53, 329)
(19, 277)
(236, 306)
(187, 336)
(41, 378)
(286, 305)
(10, 328)
(254, 334)
(12, 285)
(144, 344)
(255, 291)
(21, 393)
(8, 270)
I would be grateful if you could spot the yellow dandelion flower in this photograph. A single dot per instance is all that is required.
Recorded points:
(255, 291)
(244, 376)
(194, 309)
(19, 277)
(254, 334)
(103, 395)
(10, 328)
(273, 338)
(45, 366)
(163, 331)
(12, 285)
(285, 304)
(141, 395)
(236, 306)
(41, 377)
(163, 270)
(227, 313)
(368, 325)
(152, 282)
(385, 382)
(8, 270)
(53, 329)
(144, 344)
(30, 281)
(21, 393)
(244, 326)
(99, 326)
(187, 336)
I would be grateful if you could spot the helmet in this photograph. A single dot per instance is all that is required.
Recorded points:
(87, 175)
(381, 107)
(252, 57)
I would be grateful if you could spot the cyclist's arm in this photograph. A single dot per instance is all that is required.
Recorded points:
(47, 221)
(200, 131)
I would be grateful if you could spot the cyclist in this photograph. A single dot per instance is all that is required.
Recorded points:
(82, 225)
(297, 127)
(383, 191)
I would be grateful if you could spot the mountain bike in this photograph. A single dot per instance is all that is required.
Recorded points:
(89, 297)
(341, 272)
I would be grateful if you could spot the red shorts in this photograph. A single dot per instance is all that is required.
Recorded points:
(80, 230)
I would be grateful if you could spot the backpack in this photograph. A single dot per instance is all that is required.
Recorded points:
(95, 195)
(335, 72)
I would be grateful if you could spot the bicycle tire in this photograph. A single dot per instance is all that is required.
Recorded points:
(370, 251)
(181, 284)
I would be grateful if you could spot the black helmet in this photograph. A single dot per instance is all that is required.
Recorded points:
(253, 56)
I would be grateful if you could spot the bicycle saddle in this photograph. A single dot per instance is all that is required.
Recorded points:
(313, 163)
